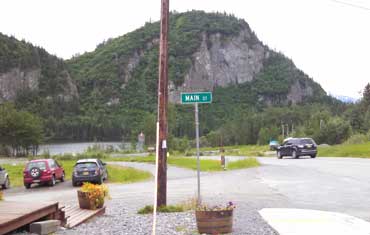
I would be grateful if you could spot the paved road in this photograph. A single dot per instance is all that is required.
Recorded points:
(333, 184)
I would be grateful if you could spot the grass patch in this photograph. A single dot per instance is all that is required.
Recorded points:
(15, 172)
(120, 174)
(117, 174)
(162, 209)
(345, 150)
(187, 205)
(244, 163)
(147, 159)
(237, 150)
(191, 163)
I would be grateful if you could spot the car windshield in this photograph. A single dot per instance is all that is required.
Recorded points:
(40, 165)
(306, 141)
(89, 165)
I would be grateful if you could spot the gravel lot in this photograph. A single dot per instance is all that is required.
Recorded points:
(125, 221)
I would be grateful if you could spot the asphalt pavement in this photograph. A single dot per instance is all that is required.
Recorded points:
(329, 184)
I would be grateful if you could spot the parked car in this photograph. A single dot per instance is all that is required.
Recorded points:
(43, 171)
(89, 170)
(273, 144)
(297, 147)
(4, 178)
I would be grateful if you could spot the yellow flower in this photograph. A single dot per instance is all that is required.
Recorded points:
(96, 193)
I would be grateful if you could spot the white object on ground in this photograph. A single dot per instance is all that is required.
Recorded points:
(309, 222)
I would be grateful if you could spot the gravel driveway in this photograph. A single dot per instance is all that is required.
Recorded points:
(217, 188)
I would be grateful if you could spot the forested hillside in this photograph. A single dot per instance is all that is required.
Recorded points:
(121, 74)
(110, 93)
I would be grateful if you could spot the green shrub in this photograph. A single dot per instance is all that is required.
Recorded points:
(178, 144)
(357, 139)
(336, 131)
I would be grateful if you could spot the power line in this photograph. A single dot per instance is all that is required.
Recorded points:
(352, 5)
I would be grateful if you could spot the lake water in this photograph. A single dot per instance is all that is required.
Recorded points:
(72, 148)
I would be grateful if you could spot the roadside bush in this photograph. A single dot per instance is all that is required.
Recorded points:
(214, 138)
(336, 131)
(357, 139)
(178, 144)
(5, 151)
(266, 134)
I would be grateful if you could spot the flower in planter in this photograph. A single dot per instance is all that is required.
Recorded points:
(228, 207)
(95, 193)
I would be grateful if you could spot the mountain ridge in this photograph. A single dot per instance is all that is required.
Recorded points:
(115, 85)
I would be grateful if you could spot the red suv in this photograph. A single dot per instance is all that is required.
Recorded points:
(42, 171)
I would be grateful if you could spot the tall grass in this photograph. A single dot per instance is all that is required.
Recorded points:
(346, 150)
(120, 174)
(245, 163)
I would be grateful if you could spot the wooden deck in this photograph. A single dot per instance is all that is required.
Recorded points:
(76, 216)
(14, 215)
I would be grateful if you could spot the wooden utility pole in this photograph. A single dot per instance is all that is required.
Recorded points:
(162, 106)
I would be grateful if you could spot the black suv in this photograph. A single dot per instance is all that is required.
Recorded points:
(297, 147)
(89, 170)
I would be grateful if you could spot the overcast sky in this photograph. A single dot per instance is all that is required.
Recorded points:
(328, 39)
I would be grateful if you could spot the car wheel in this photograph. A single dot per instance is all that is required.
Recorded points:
(6, 183)
(278, 154)
(74, 184)
(62, 178)
(294, 154)
(313, 156)
(52, 181)
(27, 186)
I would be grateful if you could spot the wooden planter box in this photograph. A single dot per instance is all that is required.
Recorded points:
(214, 222)
(85, 202)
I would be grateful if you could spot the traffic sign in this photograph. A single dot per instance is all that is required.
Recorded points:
(196, 97)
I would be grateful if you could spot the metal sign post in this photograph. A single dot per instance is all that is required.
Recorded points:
(197, 144)
(195, 98)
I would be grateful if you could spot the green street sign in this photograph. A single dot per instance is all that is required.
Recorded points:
(196, 97)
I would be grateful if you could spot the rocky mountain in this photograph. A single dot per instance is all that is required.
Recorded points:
(25, 68)
(111, 92)
(206, 51)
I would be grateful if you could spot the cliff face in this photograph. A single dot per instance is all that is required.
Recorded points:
(222, 61)
(28, 69)
(15, 81)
